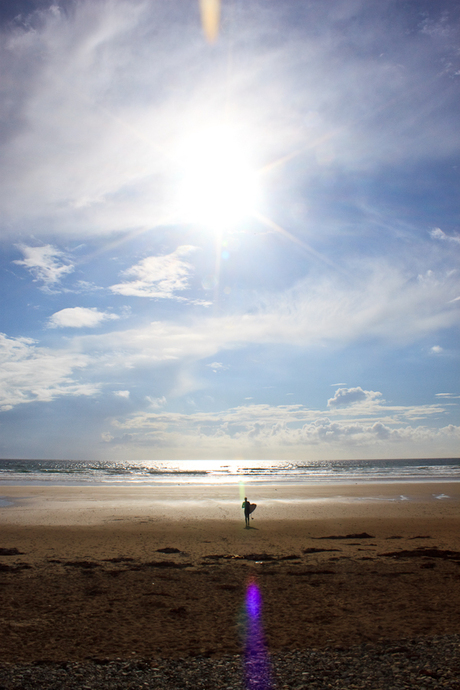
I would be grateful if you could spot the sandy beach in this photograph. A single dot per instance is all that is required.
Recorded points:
(121, 572)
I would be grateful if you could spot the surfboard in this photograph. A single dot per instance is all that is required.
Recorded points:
(252, 507)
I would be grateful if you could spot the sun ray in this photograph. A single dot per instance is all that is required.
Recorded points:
(308, 248)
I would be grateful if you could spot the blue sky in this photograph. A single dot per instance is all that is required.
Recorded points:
(232, 250)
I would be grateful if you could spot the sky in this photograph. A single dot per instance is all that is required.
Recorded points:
(240, 248)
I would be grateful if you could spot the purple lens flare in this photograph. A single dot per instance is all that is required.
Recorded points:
(257, 663)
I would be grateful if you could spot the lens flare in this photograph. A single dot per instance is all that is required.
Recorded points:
(210, 17)
(256, 661)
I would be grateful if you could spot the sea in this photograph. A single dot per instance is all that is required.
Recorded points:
(211, 472)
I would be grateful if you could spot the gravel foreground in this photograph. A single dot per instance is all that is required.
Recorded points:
(418, 663)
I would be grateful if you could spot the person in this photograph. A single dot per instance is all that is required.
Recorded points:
(246, 507)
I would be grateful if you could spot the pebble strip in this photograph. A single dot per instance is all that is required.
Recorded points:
(420, 663)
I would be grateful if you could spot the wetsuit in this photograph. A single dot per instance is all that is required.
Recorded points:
(246, 506)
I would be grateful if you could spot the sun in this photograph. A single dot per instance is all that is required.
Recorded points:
(218, 185)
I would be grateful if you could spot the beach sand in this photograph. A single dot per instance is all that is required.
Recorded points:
(142, 572)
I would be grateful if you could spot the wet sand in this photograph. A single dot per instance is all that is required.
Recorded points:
(122, 572)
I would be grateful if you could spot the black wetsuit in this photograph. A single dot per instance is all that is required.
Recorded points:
(246, 505)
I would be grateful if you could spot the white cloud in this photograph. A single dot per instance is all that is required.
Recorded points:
(122, 394)
(436, 349)
(156, 403)
(438, 234)
(86, 286)
(79, 317)
(116, 440)
(265, 431)
(44, 263)
(158, 276)
(217, 366)
(351, 396)
(29, 373)
(294, 417)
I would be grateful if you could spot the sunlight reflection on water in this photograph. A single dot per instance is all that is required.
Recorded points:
(224, 473)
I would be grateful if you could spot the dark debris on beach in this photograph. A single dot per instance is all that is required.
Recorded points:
(417, 663)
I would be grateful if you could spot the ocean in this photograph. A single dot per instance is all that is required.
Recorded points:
(196, 472)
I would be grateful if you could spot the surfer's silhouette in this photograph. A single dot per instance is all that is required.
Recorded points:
(248, 509)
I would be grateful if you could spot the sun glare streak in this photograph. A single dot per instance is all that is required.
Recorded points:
(256, 660)
(313, 144)
(274, 226)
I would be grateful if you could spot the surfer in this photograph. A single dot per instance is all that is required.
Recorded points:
(247, 511)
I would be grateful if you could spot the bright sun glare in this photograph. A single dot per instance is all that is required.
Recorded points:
(218, 185)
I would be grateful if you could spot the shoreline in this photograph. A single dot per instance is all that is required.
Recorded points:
(91, 505)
